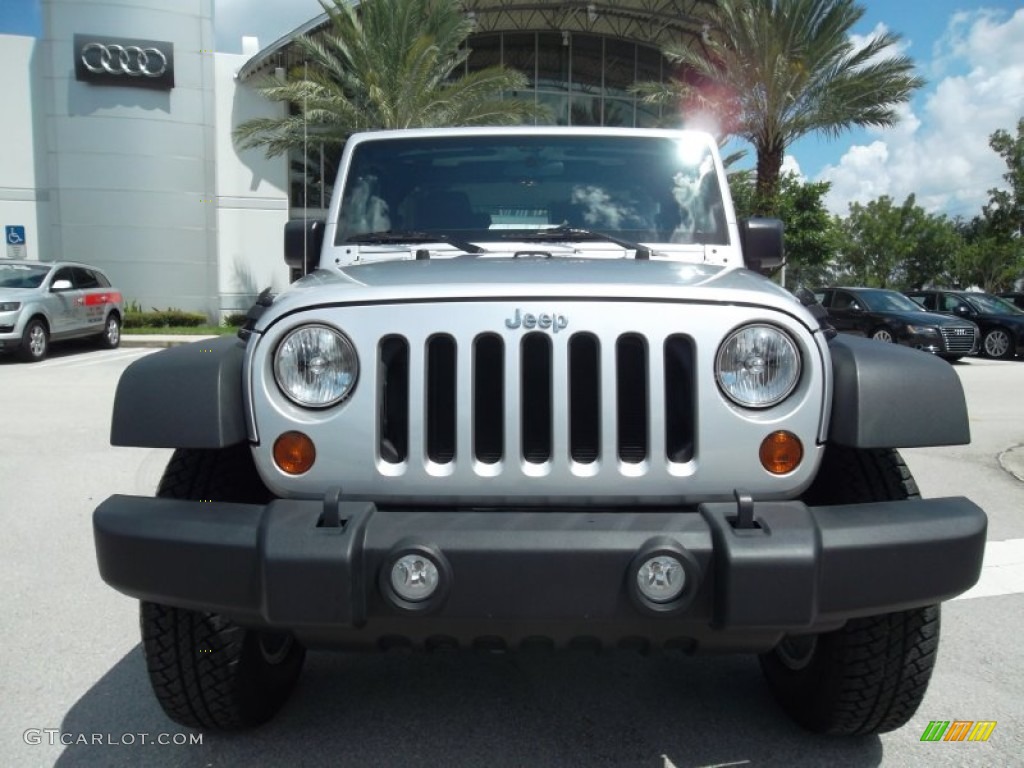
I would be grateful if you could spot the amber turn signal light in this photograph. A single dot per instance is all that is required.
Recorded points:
(294, 453)
(781, 452)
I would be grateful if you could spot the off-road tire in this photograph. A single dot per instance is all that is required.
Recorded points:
(871, 675)
(207, 671)
(223, 474)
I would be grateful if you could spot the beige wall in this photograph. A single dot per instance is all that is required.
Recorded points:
(251, 196)
(24, 143)
(145, 184)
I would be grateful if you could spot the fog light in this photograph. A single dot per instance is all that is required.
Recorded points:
(661, 579)
(294, 453)
(414, 577)
(781, 452)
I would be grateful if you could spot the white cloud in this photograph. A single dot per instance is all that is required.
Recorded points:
(892, 51)
(266, 19)
(790, 165)
(940, 150)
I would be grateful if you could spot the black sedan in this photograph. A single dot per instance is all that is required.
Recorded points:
(1001, 323)
(1014, 297)
(891, 317)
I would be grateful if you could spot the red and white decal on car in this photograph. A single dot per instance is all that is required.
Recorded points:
(102, 298)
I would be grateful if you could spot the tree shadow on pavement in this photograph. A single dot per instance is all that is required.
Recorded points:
(458, 708)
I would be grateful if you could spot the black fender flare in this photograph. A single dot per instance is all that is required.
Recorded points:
(189, 396)
(891, 396)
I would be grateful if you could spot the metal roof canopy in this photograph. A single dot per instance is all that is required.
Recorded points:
(650, 22)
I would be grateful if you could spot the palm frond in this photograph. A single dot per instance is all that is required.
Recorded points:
(775, 70)
(389, 64)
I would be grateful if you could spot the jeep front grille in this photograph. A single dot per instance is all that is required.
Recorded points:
(576, 396)
(959, 341)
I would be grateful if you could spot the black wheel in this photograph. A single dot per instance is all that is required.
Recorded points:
(871, 675)
(35, 341)
(206, 670)
(998, 344)
(883, 334)
(111, 336)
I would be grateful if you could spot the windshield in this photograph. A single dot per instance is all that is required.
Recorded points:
(991, 305)
(888, 301)
(642, 189)
(22, 275)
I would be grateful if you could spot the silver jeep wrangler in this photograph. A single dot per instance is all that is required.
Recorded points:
(532, 389)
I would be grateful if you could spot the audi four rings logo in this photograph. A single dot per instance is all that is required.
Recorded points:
(105, 60)
(128, 60)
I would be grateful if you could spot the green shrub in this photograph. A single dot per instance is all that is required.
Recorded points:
(162, 318)
(235, 319)
(132, 319)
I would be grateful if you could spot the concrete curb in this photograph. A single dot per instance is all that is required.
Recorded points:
(159, 341)
(1012, 460)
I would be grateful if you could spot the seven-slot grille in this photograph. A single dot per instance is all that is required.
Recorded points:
(958, 339)
(560, 391)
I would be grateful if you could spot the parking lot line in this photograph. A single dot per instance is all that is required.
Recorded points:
(94, 358)
(1002, 572)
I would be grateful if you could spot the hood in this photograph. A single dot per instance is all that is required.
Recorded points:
(928, 318)
(17, 294)
(477, 278)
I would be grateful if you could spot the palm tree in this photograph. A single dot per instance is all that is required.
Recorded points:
(772, 71)
(387, 64)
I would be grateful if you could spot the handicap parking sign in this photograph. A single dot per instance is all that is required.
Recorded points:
(15, 234)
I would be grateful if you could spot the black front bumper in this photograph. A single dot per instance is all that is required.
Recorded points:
(515, 575)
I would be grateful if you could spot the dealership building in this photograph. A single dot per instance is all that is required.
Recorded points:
(119, 121)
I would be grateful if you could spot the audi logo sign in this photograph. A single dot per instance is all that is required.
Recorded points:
(105, 60)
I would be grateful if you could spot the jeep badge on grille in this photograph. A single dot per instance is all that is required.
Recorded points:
(544, 321)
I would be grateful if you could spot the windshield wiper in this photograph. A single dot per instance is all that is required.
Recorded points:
(573, 233)
(382, 238)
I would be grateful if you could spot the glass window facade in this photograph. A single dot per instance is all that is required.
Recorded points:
(311, 178)
(582, 79)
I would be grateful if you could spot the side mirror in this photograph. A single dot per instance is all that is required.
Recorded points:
(761, 241)
(60, 285)
(302, 243)
(805, 296)
(961, 310)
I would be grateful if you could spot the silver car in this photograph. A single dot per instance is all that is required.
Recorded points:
(42, 302)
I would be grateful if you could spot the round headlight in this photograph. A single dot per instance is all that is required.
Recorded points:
(758, 366)
(316, 366)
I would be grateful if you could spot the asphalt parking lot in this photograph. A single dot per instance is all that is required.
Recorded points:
(72, 667)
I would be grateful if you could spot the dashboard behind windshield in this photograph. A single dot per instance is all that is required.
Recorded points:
(644, 189)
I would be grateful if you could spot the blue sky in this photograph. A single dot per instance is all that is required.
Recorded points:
(971, 54)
